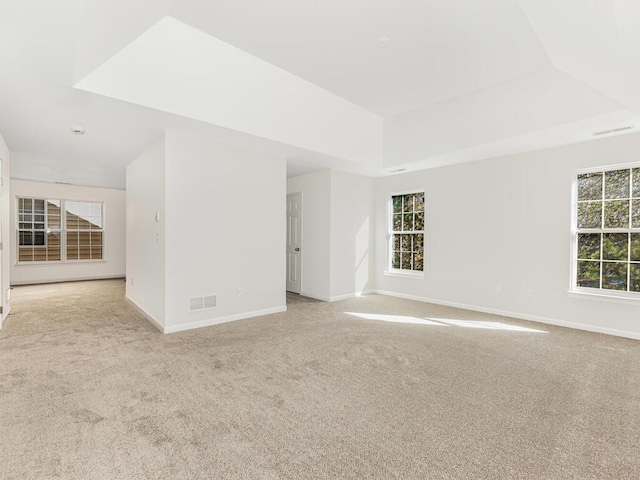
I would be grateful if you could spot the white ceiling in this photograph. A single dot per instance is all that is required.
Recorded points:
(459, 81)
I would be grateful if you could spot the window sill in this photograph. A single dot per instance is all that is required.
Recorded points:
(606, 297)
(54, 263)
(400, 273)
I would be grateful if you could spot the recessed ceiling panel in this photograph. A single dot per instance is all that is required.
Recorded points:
(437, 49)
(176, 68)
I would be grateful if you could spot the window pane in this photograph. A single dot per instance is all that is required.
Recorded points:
(96, 239)
(38, 238)
(636, 182)
(589, 246)
(28, 205)
(38, 206)
(419, 202)
(407, 203)
(419, 242)
(397, 222)
(72, 253)
(418, 261)
(84, 210)
(616, 184)
(406, 261)
(614, 276)
(395, 262)
(397, 204)
(589, 274)
(84, 238)
(96, 253)
(406, 243)
(635, 247)
(25, 238)
(53, 253)
(616, 214)
(72, 221)
(590, 186)
(395, 242)
(634, 285)
(72, 238)
(615, 246)
(635, 214)
(53, 239)
(25, 254)
(419, 221)
(590, 215)
(407, 222)
(53, 221)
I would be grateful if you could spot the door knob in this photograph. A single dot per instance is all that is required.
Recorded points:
(297, 249)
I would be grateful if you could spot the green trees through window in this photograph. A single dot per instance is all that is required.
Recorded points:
(608, 230)
(407, 232)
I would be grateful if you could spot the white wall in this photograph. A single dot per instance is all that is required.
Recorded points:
(5, 230)
(145, 236)
(507, 221)
(225, 229)
(316, 232)
(114, 227)
(352, 234)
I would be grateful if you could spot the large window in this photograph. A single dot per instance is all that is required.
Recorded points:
(406, 249)
(59, 230)
(607, 230)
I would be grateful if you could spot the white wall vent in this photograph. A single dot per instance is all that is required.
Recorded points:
(209, 302)
(613, 130)
(202, 303)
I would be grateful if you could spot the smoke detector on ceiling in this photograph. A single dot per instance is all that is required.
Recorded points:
(613, 130)
(77, 130)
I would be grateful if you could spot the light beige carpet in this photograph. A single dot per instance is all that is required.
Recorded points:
(90, 390)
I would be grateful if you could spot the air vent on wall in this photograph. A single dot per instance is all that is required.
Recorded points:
(613, 130)
(202, 303)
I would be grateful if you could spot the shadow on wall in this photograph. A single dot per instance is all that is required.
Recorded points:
(361, 274)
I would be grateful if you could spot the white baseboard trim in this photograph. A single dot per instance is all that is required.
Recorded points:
(145, 314)
(229, 318)
(315, 297)
(521, 316)
(63, 280)
(350, 295)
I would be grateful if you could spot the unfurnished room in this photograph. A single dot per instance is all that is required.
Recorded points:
(294, 239)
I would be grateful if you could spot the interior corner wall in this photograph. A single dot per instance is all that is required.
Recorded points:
(316, 236)
(114, 233)
(146, 233)
(5, 228)
(352, 235)
(225, 231)
(506, 221)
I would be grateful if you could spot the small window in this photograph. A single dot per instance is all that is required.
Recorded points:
(38, 230)
(84, 230)
(607, 231)
(406, 235)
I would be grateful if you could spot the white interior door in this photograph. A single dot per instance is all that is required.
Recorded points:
(294, 236)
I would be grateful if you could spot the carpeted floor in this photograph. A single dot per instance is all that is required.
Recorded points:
(90, 390)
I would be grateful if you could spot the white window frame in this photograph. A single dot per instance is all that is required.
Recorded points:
(590, 292)
(398, 272)
(63, 233)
